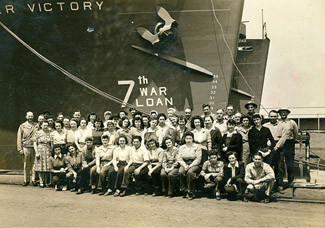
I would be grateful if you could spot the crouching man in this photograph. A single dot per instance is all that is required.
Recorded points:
(259, 177)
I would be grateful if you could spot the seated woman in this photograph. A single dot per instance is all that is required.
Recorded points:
(212, 172)
(74, 164)
(138, 166)
(104, 168)
(232, 140)
(234, 173)
(189, 158)
(58, 168)
(170, 166)
(121, 159)
(154, 166)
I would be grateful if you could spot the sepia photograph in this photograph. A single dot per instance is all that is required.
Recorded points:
(162, 113)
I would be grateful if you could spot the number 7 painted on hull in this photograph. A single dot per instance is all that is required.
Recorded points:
(128, 93)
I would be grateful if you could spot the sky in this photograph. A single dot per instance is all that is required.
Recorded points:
(295, 72)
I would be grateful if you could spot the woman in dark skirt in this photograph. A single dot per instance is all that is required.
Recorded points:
(58, 168)
(232, 140)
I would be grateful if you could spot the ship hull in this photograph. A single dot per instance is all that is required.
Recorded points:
(94, 43)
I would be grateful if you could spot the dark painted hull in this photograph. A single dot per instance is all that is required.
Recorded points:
(95, 46)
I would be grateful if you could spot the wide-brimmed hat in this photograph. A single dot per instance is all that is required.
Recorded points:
(250, 103)
(284, 109)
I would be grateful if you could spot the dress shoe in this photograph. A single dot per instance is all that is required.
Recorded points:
(80, 191)
(25, 184)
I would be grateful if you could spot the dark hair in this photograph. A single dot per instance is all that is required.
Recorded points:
(126, 114)
(91, 114)
(275, 111)
(121, 121)
(66, 117)
(199, 118)
(167, 137)
(214, 152)
(209, 117)
(45, 121)
(231, 121)
(89, 138)
(138, 119)
(188, 133)
(181, 117)
(160, 115)
(83, 118)
(151, 119)
(137, 113)
(101, 122)
(71, 144)
(136, 137)
(59, 122)
(258, 154)
(131, 109)
(151, 140)
(245, 117)
(231, 153)
(105, 137)
(206, 105)
(56, 146)
(122, 136)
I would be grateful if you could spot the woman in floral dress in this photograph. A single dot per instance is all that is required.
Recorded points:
(42, 146)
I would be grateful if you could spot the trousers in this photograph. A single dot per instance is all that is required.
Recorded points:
(139, 179)
(29, 157)
(289, 155)
(187, 178)
(169, 180)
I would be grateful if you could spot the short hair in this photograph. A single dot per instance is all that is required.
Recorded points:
(66, 117)
(152, 119)
(181, 117)
(152, 140)
(122, 136)
(60, 113)
(257, 154)
(188, 108)
(231, 121)
(132, 109)
(121, 121)
(220, 109)
(245, 117)
(274, 111)
(59, 122)
(160, 115)
(45, 121)
(76, 111)
(57, 146)
(197, 118)
(214, 152)
(188, 133)
(206, 105)
(136, 137)
(209, 116)
(256, 115)
(231, 153)
(138, 119)
(89, 138)
(105, 137)
(230, 105)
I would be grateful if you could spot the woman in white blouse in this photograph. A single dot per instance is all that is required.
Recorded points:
(121, 158)
(189, 158)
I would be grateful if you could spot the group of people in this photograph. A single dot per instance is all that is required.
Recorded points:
(158, 154)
